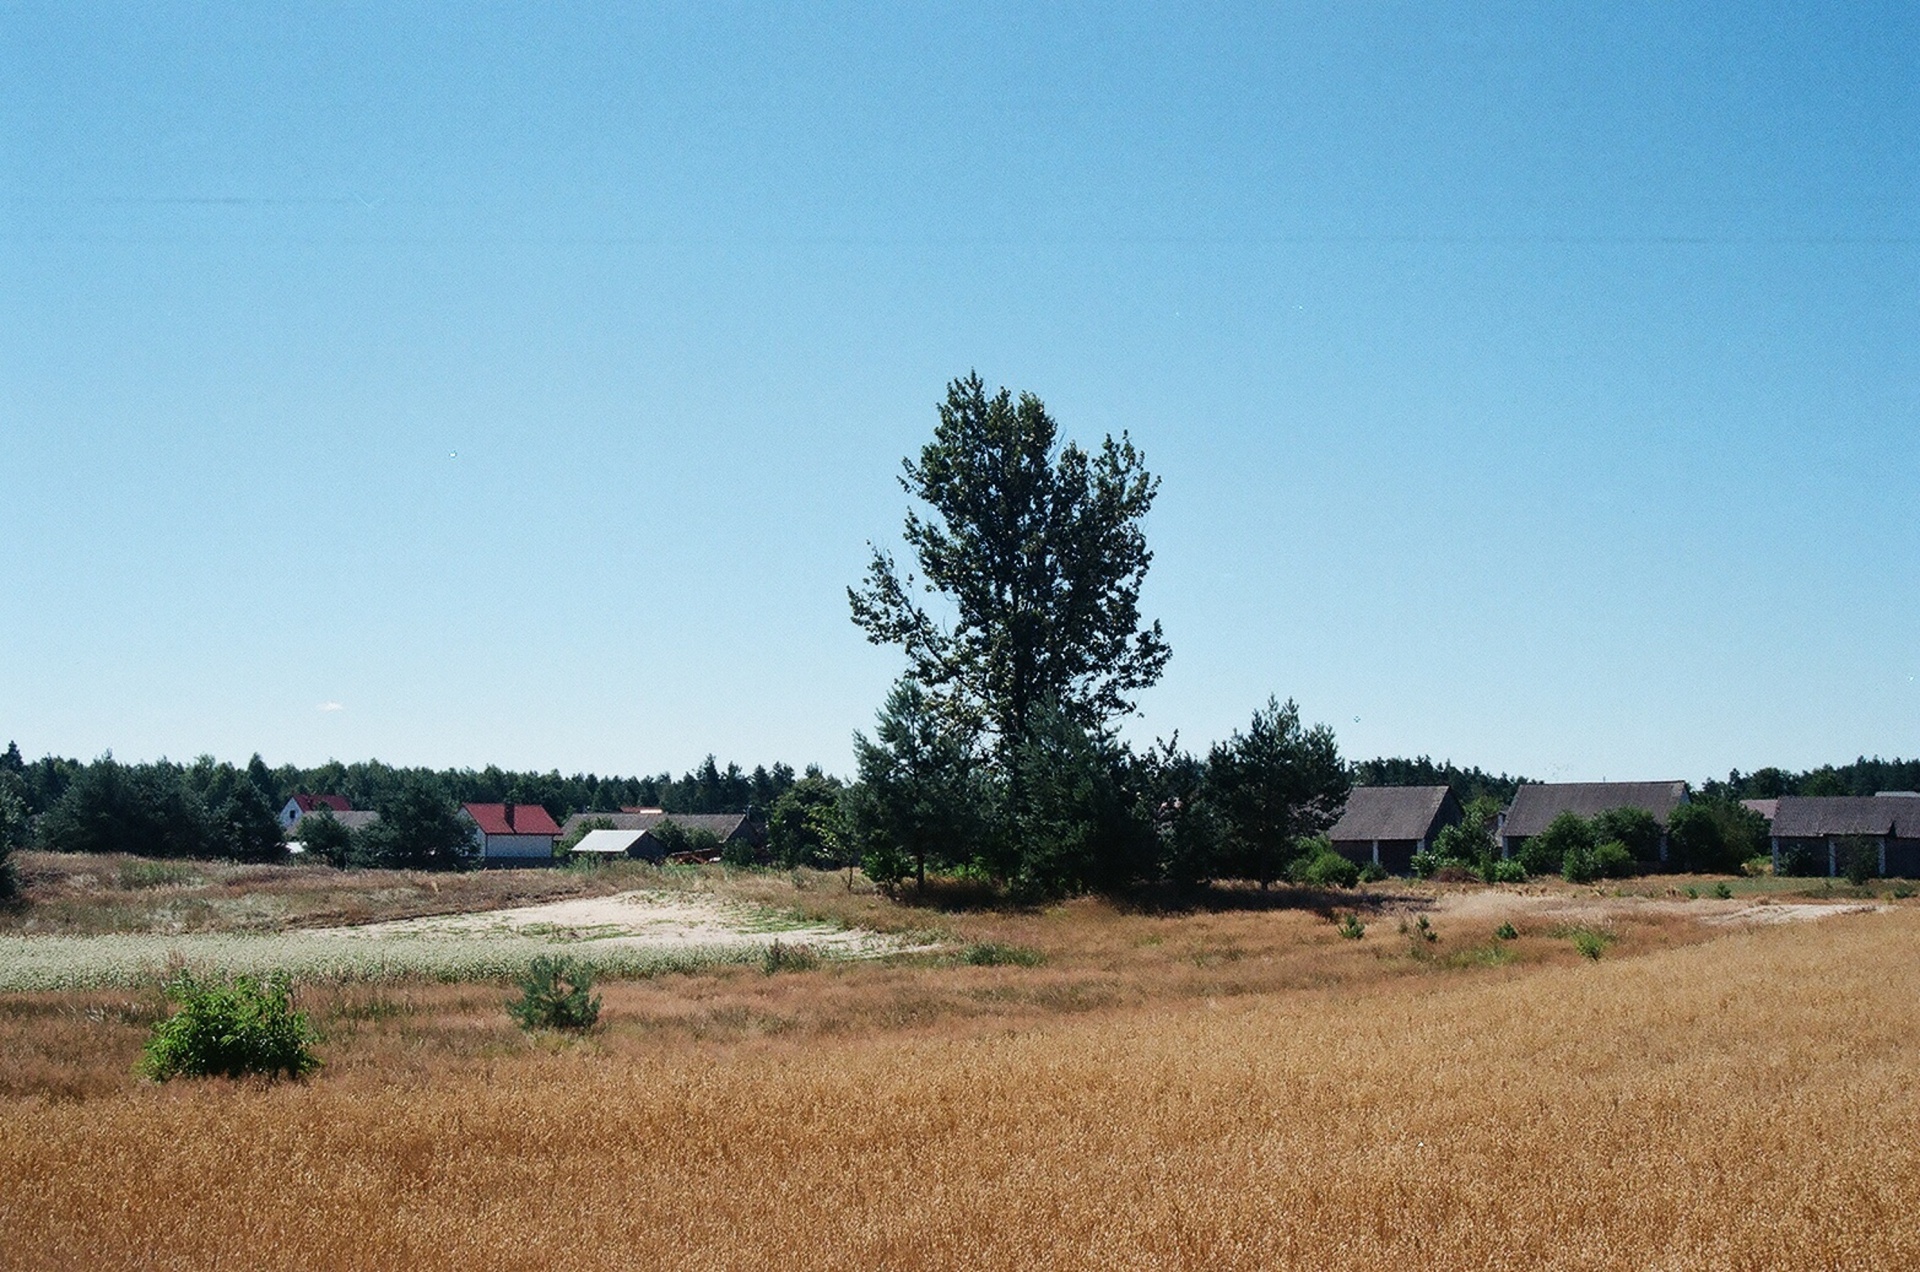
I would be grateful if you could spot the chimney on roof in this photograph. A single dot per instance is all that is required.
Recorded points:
(509, 808)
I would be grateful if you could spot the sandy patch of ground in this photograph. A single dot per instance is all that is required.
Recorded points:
(1492, 905)
(636, 920)
(1799, 912)
(630, 934)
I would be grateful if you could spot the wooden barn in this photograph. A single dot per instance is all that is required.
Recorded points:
(1812, 833)
(1536, 804)
(1386, 825)
(635, 830)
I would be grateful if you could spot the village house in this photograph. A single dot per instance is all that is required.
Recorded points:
(1536, 804)
(511, 833)
(300, 805)
(1812, 832)
(1386, 825)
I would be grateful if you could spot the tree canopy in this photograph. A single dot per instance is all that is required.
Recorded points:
(1038, 548)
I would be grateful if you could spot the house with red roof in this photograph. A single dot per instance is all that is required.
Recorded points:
(300, 805)
(511, 833)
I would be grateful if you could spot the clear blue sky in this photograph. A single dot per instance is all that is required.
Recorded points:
(1537, 386)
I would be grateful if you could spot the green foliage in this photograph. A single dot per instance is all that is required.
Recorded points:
(1372, 872)
(1614, 860)
(1545, 853)
(1172, 796)
(1590, 944)
(1858, 858)
(1714, 836)
(419, 829)
(1277, 784)
(1578, 864)
(1723, 892)
(1506, 932)
(806, 826)
(920, 796)
(555, 993)
(1040, 553)
(1351, 928)
(1800, 859)
(1633, 828)
(1328, 869)
(996, 954)
(16, 826)
(1073, 823)
(326, 839)
(782, 957)
(1425, 864)
(144, 809)
(740, 852)
(1469, 785)
(1504, 870)
(229, 1028)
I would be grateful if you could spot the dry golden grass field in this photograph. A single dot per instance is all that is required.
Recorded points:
(1238, 1087)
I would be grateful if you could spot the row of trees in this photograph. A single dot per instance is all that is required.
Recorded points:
(1071, 809)
(707, 788)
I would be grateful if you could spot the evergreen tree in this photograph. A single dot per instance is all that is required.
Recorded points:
(919, 800)
(1277, 783)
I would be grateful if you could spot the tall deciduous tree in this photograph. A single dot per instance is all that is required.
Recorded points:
(1038, 549)
(1278, 782)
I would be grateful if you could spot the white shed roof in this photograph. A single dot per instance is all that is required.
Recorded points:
(616, 842)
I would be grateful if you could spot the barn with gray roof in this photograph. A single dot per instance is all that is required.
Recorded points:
(1386, 825)
(640, 842)
(1536, 804)
(1813, 834)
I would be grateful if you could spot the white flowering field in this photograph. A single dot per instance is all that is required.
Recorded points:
(630, 935)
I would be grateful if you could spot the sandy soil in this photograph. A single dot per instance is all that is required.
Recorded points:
(1490, 905)
(640, 920)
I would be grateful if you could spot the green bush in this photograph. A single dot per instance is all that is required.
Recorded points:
(1632, 828)
(1546, 852)
(1505, 870)
(1329, 869)
(1506, 932)
(996, 954)
(1424, 864)
(1590, 944)
(1859, 859)
(1579, 864)
(1372, 872)
(555, 993)
(229, 1028)
(1723, 892)
(1615, 860)
(1351, 927)
(741, 853)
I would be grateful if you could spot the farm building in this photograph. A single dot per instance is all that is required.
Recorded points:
(1536, 804)
(634, 830)
(511, 832)
(300, 805)
(1812, 834)
(1386, 825)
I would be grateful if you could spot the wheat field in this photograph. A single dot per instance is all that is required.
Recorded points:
(1745, 1101)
